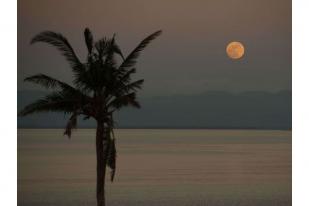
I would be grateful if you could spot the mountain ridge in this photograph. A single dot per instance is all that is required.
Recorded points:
(207, 110)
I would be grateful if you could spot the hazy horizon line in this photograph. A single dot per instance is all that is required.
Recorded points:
(186, 94)
(178, 128)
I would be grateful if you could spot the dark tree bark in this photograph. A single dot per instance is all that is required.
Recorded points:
(101, 149)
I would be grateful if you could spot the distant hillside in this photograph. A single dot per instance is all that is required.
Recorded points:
(216, 109)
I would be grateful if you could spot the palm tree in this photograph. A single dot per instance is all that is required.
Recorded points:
(100, 87)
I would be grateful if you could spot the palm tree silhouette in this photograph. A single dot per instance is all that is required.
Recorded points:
(101, 86)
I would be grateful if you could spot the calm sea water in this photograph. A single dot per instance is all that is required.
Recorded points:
(157, 167)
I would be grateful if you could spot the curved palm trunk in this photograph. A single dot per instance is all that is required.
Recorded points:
(101, 150)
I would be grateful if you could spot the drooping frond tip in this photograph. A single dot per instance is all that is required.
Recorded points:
(62, 44)
(111, 157)
(71, 125)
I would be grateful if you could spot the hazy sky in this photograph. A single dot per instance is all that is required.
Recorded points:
(190, 55)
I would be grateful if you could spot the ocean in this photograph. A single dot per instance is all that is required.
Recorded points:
(158, 167)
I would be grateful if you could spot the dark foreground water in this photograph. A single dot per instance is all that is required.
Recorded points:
(158, 167)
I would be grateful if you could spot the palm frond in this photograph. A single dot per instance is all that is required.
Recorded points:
(122, 101)
(117, 49)
(88, 40)
(54, 102)
(133, 86)
(109, 56)
(105, 45)
(63, 45)
(132, 57)
(52, 83)
(47, 81)
(126, 77)
(101, 46)
(72, 123)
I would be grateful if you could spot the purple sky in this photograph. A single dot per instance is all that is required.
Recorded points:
(188, 58)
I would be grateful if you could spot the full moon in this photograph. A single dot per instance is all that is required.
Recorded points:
(235, 50)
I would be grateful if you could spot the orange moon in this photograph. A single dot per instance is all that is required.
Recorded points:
(235, 50)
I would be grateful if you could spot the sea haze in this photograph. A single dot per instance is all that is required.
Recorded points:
(213, 109)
